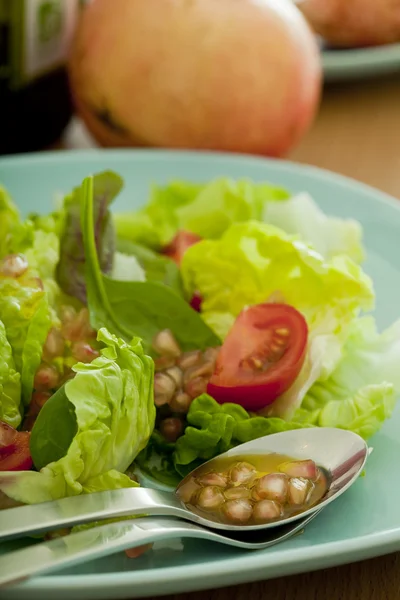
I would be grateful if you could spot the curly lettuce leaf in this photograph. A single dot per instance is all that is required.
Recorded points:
(15, 235)
(10, 383)
(361, 392)
(253, 261)
(107, 418)
(214, 428)
(206, 209)
(71, 267)
(330, 236)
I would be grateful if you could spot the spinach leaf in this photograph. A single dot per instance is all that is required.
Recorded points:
(136, 308)
(54, 430)
(71, 267)
(156, 267)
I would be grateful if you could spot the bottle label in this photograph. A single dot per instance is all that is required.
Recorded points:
(36, 37)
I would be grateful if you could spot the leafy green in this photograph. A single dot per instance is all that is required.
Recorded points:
(253, 261)
(330, 236)
(71, 268)
(155, 266)
(206, 209)
(360, 393)
(10, 383)
(54, 429)
(214, 428)
(135, 307)
(25, 314)
(14, 235)
(113, 402)
(157, 460)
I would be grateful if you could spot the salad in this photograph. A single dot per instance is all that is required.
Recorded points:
(149, 341)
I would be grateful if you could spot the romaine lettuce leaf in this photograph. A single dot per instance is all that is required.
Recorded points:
(206, 209)
(112, 403)
(10, 383)
(330, 236)
(361, 392)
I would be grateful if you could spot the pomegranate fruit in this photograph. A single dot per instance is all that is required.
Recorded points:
(233, 75)
(352, 23)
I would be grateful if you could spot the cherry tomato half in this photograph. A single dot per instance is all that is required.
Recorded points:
(260, 357)
(178, 246)
(14, 449)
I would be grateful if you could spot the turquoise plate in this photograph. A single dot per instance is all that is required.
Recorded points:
(359, 63)
(365, 522)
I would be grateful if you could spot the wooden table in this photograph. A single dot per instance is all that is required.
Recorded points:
(357, 133)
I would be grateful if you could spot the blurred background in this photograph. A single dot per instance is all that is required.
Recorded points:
(315, 81)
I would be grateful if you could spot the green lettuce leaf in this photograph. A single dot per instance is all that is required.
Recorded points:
(252, 262)
(214, 428)
(330, 236)
(14, 234)
(85, 438)
(10, 383)
(136, 308)
(206, 209)
(25, 313)
(361, 392)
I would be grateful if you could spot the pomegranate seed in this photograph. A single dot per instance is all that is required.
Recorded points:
(190, 359)
(266, 510)
(210, 497)
(13, 265)
(54, 345)
(238, 511)
(164, 343)
(171, 428)
(176, 375)
(180, 403)
(83, 352)
(46, 378)
(187, 490)
(196, 387)
(164, 388)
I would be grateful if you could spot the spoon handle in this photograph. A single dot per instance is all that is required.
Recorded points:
(76, 510)
(104, 540)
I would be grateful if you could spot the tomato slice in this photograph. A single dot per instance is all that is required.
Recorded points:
(260, 357)
(178, 246)
(14, 449)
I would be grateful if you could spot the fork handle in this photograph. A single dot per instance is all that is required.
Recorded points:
(86, 508)
(96, 542)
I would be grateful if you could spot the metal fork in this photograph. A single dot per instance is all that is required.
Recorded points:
(103, 540)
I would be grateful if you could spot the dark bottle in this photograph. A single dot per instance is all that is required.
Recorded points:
(35, 101)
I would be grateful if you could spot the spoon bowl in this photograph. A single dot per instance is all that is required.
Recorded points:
(339, 453)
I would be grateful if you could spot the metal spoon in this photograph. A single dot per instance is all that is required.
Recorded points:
(341, 453)
(104, 540)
